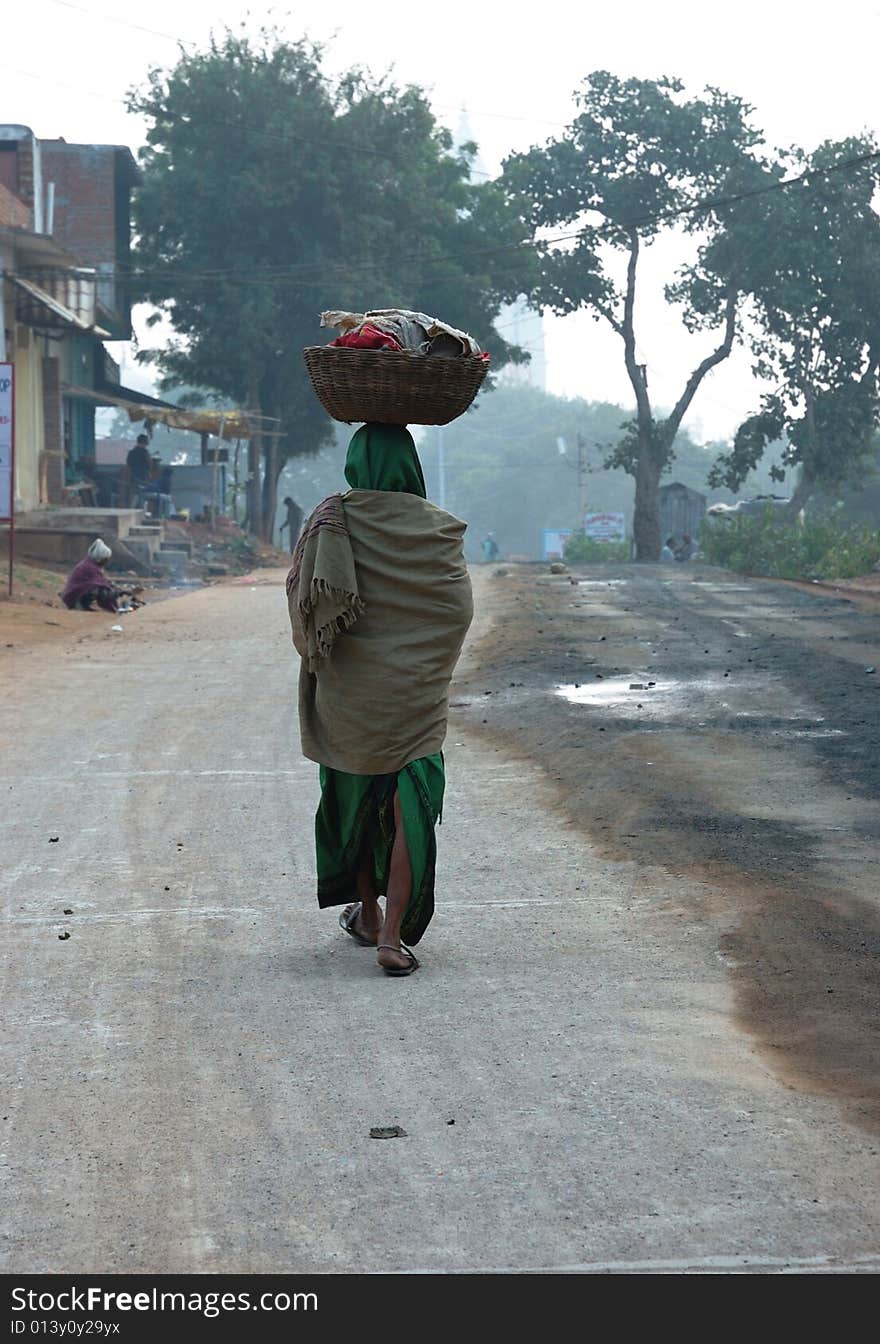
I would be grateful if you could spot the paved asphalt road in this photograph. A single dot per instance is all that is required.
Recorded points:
(191, 1076)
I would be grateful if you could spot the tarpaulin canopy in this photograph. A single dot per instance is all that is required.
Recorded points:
(225, 424)
(232, 424)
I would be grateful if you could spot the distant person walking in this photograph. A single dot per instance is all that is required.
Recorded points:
(293, 522)
(490, 548)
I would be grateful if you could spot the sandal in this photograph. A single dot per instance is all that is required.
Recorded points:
(406, 952)
(347, 923)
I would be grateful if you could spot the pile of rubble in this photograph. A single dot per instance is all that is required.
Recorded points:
(191, 552)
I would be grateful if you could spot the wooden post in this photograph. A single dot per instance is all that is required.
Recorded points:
(7, 374)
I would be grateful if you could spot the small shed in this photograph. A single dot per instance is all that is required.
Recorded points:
(682, 510)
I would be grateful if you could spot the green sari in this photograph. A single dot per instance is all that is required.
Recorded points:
(355, 816)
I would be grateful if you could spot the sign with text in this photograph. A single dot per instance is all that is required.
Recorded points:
(553, 542)
(605, 526)
(6, 427)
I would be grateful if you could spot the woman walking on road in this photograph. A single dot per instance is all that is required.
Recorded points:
(380, 603)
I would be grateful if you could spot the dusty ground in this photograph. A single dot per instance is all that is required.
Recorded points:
(35, 614)
(644, 1034)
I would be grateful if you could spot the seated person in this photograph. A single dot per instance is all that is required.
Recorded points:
(88, 582)
(158, 489)
(139, 462)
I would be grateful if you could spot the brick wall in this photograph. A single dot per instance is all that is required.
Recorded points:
(25, 163)
(85, 204)
(91, 215)
(53, 430)
(14, 214)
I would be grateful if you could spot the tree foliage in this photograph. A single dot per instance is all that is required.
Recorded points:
(809, 257)
(638, 159)
(268, 195)
(505, 474)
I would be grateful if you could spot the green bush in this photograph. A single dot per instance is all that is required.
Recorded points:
(583, 550)
(244, 548)
(820, 547)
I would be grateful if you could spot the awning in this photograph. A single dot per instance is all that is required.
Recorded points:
(49, 310)
(139, 405)
(232, 424)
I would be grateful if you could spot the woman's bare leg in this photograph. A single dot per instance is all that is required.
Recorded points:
(369, 919)
(397, 899)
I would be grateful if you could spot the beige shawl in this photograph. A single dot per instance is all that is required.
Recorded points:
(380, 603)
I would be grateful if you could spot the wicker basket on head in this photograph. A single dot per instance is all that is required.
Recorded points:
(393, 387)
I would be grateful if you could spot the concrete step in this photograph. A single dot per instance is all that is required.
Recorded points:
(143, 530)
(117, 522)
(170, 559)
(142, 548)
(185, 546)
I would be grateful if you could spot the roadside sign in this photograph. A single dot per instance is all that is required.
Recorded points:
(6, 383)
(7, 457)
(553, 541)
(605, 526)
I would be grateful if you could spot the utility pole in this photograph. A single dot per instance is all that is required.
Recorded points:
(582, 471)
(441, 468)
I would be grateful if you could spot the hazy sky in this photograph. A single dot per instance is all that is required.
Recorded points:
(810, 69)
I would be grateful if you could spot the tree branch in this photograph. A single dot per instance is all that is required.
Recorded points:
(610, 319)
(699, 373)
(873, 366)
(628, 333)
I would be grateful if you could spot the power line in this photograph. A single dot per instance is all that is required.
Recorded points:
(123, 23)
(191, 42)
(287, 137)
(278, 276)
(60, 84)
(674, 213)
(293, 273)
(713, 203)
(296, 274)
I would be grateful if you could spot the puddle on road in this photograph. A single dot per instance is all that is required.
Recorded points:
(723, 587)
(616, 691)
(703, 700)
(665, 699)
(810, 732)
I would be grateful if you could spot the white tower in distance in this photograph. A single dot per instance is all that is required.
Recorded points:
(517, 322)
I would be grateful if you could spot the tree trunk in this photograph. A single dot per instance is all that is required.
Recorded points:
(800, 498)
(270, 489)
(254, 515)
(253, 495)
(646, 515)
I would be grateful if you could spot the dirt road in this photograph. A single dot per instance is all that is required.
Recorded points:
(727, 732)
(644, 1035)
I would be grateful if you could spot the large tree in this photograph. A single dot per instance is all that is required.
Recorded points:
(809, 257)
(267, 194)
(637, 160)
